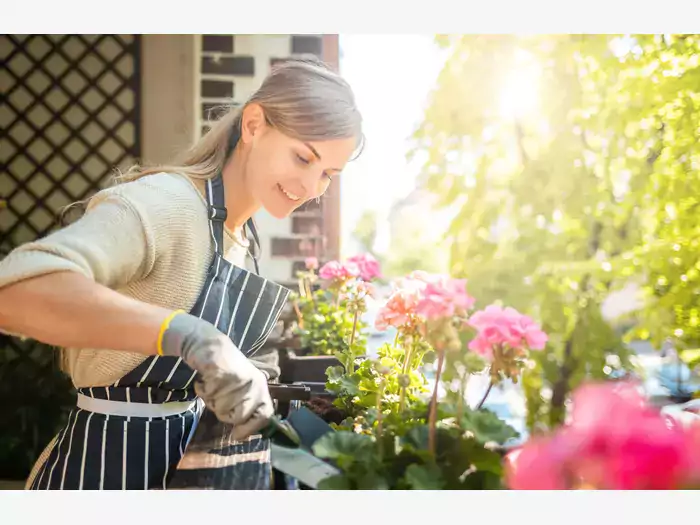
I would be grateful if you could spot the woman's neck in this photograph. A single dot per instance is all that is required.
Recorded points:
(240, 204)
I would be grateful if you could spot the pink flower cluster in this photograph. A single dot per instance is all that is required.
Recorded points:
(335, 270)
(425, 296)
(504, 326)
(362, 266)
(615, 441)
(368, 266)
(398, 311)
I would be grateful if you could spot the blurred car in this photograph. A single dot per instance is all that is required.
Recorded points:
(684, 414)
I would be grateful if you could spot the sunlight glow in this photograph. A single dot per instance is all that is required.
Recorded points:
(520, 93)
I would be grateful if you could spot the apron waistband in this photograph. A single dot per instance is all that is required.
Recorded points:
(121, 408)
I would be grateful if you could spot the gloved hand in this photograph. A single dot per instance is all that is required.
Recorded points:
(228, 383)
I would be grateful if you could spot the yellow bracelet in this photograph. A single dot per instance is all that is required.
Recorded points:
(164, 327)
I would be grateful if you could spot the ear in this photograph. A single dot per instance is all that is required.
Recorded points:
(252, 122)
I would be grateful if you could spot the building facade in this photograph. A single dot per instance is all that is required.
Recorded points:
(74, 107)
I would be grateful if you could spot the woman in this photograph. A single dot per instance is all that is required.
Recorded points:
(148, 289)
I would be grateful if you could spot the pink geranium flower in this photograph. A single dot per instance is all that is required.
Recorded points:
(398, 311)
(615, 441)
(365, 289)
(368, 266)
(335, 270)
(504, 326)
(311, 263)
(444, 298)
(424, 296)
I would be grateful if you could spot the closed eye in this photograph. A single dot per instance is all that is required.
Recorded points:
(306, 162)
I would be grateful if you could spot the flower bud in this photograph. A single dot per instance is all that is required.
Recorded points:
(454, 345)
(382, 369)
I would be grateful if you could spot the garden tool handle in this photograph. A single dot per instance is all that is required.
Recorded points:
(286, 393)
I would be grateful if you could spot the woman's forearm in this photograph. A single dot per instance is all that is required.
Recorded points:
(69, 310)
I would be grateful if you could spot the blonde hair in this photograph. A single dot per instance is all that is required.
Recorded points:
(303, 99)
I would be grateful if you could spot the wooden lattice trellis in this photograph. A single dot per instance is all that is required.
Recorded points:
(69, 115)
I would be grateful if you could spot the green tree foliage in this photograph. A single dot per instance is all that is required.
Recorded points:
(574, 161)
(366, 230)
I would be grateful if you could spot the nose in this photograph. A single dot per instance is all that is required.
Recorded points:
(311, 186)
(319, 182)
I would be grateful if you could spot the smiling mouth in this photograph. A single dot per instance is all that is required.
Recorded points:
(288, 194)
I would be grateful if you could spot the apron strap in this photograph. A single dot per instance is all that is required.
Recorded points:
(217, 217)
(250, 223)
(217, 210)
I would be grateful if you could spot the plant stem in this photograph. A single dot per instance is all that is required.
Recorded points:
(337, 290)
(432, 415)
(349, 366)
(379, 417)
(486, 394)
(460, 401)
(354, 328)
(408, 355)
(300, 318)
(307, 286)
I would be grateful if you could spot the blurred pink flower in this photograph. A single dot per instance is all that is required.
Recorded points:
(482, 345)
(398, 310)
(615, 441)
(444, 298)
(311, 263)
(536, 466)
(496, 325)
(429, 296)
(368, 266)
(418, 279)
(365, 289)
(335, 270)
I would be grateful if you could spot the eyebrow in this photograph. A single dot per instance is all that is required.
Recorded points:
(318, 155)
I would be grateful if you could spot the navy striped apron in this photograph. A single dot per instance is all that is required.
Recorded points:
(120, 447)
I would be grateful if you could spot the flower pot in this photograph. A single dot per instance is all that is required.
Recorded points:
(304, 369)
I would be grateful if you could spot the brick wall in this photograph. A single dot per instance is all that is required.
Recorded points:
(232, 67)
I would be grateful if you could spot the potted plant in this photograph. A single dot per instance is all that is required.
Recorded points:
(328, 308)
(399, 433)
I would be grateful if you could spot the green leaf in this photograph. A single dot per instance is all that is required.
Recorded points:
(429, 357)
(337, 482)
(486, 460)
(417, 437)
(487, 426)
(336, 445)
(372, 481)
(334, 373)
(424, 477)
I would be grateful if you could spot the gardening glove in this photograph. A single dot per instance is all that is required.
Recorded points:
(228, 383)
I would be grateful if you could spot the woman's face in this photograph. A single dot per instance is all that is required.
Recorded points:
(281, 172)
